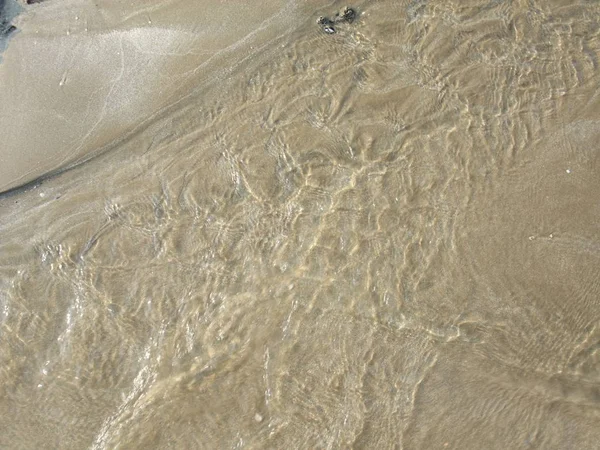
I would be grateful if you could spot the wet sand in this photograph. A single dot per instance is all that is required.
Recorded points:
(385, 237)
(81, 75)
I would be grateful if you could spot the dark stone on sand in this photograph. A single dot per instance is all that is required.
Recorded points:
(347, 15)
(31, 2)
(324, 21)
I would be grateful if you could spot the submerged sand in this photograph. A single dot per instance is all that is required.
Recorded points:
(386, 237)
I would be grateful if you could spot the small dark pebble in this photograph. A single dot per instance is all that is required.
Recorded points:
(324, 21)
(347, 15)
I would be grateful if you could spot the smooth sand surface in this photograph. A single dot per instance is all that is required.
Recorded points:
(81, 74)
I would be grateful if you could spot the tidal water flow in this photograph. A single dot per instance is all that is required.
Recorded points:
(382, 237)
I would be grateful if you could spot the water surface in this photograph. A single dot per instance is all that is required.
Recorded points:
(383, 238)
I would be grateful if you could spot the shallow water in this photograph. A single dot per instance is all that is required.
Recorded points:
(387, 237)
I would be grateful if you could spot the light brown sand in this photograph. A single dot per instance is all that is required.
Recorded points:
(81, 75)
(382, 239)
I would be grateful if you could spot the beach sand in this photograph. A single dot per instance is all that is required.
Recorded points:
(242, 230)
(82, 75)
